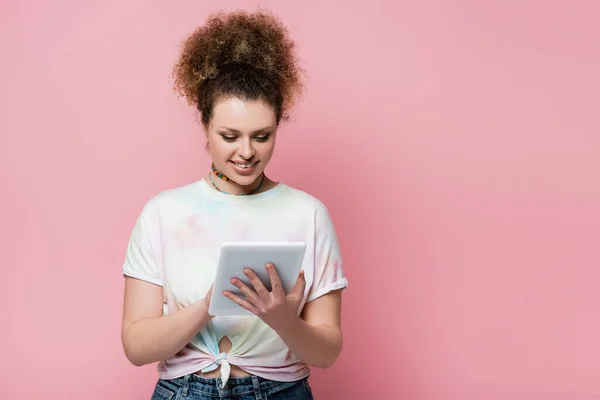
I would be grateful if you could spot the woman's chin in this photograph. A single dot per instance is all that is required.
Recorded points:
(245, 181)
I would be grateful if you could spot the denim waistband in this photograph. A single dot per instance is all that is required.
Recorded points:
(236, 386)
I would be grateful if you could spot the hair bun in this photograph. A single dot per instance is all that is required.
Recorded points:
(258, 40)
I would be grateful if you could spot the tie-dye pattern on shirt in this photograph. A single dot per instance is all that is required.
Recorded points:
(176, 243)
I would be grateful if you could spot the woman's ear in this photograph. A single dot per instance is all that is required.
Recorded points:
(207, 143)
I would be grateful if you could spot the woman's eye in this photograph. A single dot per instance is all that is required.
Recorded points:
(228, 138)
(262, 138)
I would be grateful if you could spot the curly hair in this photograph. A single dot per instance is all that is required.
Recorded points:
(248, 55)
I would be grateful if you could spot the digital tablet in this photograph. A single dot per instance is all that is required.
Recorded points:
(287, 258)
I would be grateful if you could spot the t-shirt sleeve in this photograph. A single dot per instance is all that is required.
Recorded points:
(329, 269)
(141, 261)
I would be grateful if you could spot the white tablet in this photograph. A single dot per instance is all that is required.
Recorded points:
(287, 258)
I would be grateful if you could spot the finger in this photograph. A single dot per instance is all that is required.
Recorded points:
(246, 291)
(255, 280)
(238, 300)
(209, 293)
(276, 286)
(300, 285)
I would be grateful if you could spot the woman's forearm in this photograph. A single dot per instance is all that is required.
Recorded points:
(157, 339)
(318, 346)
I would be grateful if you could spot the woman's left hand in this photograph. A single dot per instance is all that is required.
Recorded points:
(276, 308)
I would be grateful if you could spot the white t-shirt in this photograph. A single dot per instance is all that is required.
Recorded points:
(176, 244)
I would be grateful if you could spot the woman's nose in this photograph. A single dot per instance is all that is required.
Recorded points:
(246, 151)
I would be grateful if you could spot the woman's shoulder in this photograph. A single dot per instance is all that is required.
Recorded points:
(302, 197)
(175, 196)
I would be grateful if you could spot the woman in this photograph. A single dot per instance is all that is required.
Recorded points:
(241, 73)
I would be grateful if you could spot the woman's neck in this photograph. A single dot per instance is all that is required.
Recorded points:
(261, 184)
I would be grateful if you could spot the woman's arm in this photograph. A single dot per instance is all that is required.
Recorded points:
(316, 338)
(147, 335)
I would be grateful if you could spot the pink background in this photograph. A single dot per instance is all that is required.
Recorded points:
(456, 144)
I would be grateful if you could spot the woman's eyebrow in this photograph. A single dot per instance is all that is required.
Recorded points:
(261, 130)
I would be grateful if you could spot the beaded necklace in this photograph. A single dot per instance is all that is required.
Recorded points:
(218, 174)
(227, 179)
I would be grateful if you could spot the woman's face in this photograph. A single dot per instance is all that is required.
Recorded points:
(241, 138)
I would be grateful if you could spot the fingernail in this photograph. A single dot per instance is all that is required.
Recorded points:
(269, 266)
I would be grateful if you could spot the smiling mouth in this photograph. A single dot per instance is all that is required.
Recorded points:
(244, 165)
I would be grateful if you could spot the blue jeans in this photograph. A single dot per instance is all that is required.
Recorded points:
(194, 387)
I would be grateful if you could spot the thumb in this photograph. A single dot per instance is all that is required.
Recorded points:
(207, 296)
(209, 293)
(300, 285)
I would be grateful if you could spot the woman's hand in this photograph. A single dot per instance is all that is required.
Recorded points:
(275, 308)
(202, 304)
(206, 300)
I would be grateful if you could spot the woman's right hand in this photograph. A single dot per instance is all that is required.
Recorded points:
(203, 304)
